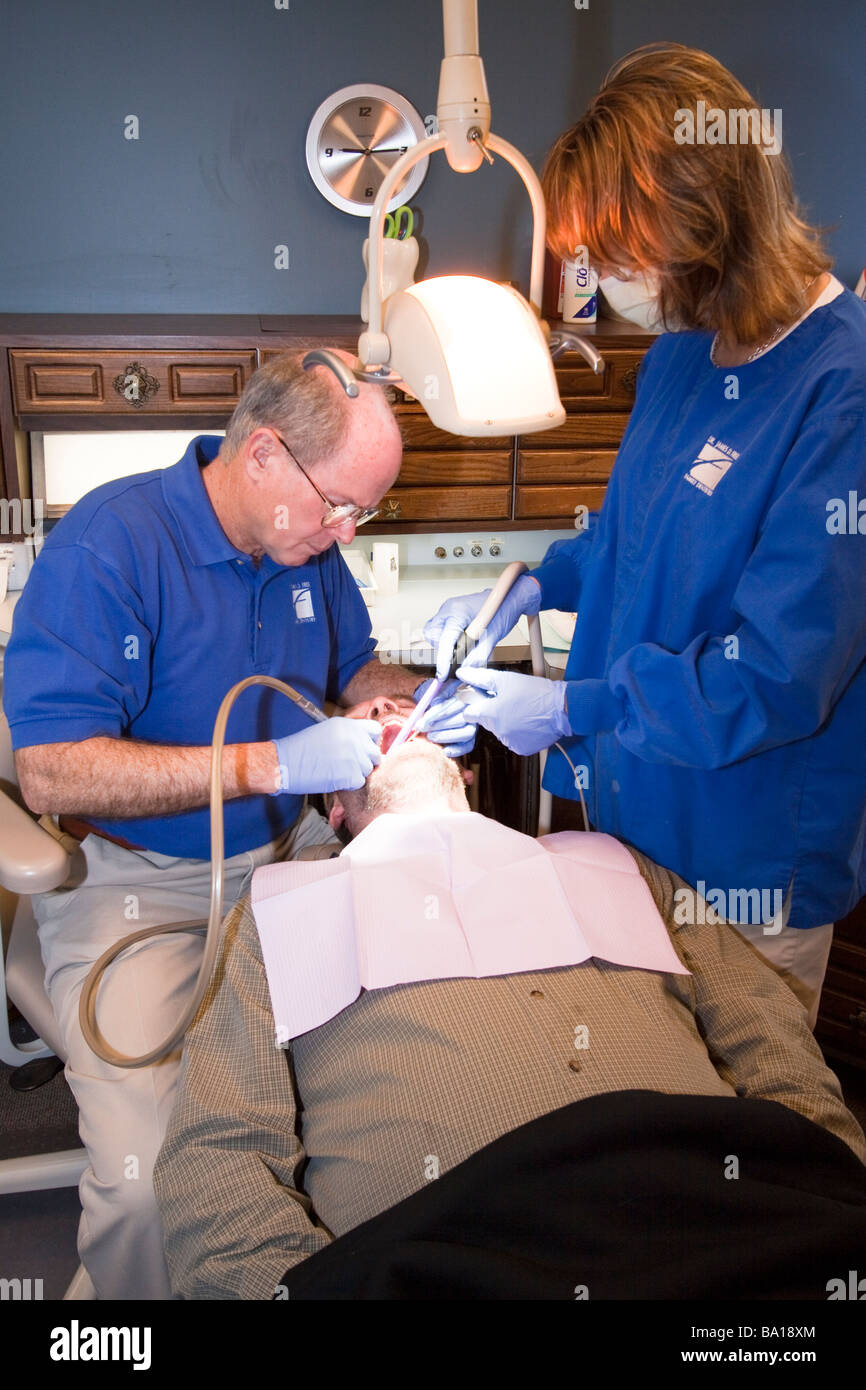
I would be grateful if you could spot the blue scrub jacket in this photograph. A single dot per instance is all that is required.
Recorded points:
(717, 679)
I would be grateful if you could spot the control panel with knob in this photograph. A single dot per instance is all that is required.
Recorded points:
(471, 548)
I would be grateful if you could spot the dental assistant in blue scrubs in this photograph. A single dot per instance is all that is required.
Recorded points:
(714, 700)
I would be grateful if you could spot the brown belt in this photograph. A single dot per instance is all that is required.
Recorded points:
(71, 825)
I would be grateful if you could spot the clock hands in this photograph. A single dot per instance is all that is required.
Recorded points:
(390, 149)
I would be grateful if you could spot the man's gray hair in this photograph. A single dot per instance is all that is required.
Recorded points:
(300, 405)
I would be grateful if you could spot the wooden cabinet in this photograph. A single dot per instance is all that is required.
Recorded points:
(105, 383)
(75, 372)
(582, 390)
(448, 478)
(560, 472)
(446, 506)
(445, 486)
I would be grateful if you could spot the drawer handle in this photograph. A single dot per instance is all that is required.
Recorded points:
(136, 385)
(858, 1019)
(629, 380)
(393, 510)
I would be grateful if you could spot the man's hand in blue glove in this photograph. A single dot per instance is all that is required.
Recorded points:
(526, 713)
(446, 625)
(445, 721)
(330, 757)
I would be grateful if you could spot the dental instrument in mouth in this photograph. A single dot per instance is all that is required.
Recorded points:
(462, 647)
(464, 644)
(417, 714)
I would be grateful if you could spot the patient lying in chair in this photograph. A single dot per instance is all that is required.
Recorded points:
(290, 1134)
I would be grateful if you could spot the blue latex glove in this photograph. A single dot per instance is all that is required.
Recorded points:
(444, 722)
(526, 713)
(329, 757)
(455, 614)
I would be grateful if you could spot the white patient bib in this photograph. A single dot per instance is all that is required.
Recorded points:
(417, 897)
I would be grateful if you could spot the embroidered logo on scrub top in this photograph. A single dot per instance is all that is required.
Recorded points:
(302, 598)
(711, 465)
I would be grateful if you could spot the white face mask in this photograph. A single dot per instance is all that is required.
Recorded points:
(634, 300)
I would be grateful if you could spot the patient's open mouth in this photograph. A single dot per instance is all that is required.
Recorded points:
(390, 730)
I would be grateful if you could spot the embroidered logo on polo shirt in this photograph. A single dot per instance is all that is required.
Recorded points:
(302, 598)
(711, 465)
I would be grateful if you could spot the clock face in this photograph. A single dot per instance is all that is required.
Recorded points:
(355, 138)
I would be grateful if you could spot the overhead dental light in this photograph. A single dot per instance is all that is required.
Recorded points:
(476, 355)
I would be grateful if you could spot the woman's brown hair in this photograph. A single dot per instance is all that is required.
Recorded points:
(718, 223)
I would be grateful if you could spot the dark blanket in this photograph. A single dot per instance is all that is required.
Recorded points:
(624, 1195)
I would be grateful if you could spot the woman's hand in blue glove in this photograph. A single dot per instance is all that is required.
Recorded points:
(446, 625)
(524, 597)
(456, 614)
(444, 722)
(526, 713)
(330, 757)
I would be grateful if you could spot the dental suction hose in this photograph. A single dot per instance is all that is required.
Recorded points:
(87, 1003)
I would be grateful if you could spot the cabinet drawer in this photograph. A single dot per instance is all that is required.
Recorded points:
(557, 503)
(445, 504)
(564, 465)
(119, 383)
(580, 389)
(579, 429)
(421, 469)
(420, 433)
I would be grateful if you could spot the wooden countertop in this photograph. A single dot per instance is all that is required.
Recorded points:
(242, 330)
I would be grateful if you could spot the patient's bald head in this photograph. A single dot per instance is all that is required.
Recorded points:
(417, 776)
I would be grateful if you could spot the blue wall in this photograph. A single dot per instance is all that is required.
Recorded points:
(186, 218)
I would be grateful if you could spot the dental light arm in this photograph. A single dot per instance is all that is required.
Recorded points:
(562, 341)
(432, 334)
(373, 346)
(322, 357)
(441, 339)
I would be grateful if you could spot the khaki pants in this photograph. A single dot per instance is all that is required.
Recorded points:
(123, 1113)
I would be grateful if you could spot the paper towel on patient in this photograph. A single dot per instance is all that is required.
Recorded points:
(417, 897)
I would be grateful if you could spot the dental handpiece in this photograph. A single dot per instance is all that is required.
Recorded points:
(417, 714)
(309, 708)
(462, 648)
(466, 640)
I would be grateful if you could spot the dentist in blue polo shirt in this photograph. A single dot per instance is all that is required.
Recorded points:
(714, 700)
(150, 599)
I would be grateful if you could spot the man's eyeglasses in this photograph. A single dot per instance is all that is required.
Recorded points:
(336, 515)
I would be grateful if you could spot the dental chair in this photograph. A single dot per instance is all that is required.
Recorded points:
(31, 861)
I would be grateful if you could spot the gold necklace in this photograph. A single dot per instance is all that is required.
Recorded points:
(763, 348)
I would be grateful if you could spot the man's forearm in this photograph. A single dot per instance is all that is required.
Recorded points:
(116, 778)
(379, 678)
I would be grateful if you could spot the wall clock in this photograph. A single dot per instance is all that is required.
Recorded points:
(354, 138)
